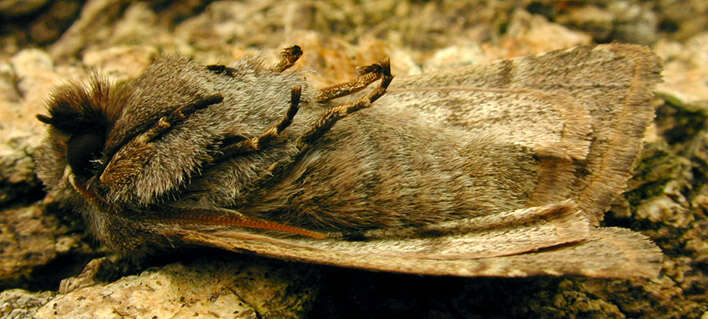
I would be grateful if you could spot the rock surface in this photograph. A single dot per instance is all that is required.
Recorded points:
(42, 243)
(204, 289)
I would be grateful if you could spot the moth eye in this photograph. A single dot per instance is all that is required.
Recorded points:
(83, 151)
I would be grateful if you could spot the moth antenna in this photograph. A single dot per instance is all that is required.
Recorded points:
(44, 119)
(224, 217)
(258, 142)
(288, 57)
(365, 76)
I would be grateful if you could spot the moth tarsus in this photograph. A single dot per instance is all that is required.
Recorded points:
(221, 69)
(376, 71)
(288, 57)
(365, 76)
(486, 170)
(295, 94)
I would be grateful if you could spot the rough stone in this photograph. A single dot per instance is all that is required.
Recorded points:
(685, 70)
(22, 304)
(211, 288)
(529, 34)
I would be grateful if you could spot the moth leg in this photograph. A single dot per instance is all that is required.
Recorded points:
(257, 143)
(365, 76)
(119, 170)
(165, 123)
(221, 69)
(331, 117)
(338, 112)
(288, 57)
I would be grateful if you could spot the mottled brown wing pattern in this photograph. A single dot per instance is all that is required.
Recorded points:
(611, 83)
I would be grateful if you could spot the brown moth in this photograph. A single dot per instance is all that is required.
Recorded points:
(487, 170)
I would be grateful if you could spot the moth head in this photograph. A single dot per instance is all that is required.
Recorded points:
(80, 118)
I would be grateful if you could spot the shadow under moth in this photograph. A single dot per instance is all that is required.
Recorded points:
(502, 169)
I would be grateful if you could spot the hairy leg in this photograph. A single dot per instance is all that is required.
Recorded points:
(365, 76)
(334, 114)
(258, 142)
(288, 57)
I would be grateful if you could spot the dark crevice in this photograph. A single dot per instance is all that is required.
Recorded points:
(22, 193)
(48, 276)
(679, 125)
(668, 25)
(408, 296)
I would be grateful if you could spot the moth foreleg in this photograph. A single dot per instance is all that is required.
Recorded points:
(165, 123)
(288, 57)
(365, 76)
(256, 143)
(129, 161)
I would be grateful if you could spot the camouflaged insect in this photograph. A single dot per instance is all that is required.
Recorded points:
(487, 170)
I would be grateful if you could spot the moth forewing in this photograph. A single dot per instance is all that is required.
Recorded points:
(605, 252)
(612, 83)
(507, 233)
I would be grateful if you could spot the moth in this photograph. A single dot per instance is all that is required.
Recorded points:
(502, 169)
